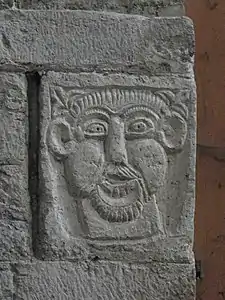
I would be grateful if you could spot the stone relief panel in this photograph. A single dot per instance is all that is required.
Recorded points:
(105, 158)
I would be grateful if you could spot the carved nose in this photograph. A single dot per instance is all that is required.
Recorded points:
(115, 142)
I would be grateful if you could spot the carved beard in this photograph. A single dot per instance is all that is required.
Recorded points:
(121, 194)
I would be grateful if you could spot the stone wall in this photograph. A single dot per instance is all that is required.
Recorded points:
(97, 180)
(141, 7)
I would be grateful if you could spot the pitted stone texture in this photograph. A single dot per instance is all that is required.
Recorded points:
(89, 166)
(142, 7)
(15, 240)
(14, 198)
(79, 40)
(6, 282)
(15, 215)
(13, 118)
(5, 4)
(104, 281)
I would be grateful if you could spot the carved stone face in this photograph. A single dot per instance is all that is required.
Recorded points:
(112, 145)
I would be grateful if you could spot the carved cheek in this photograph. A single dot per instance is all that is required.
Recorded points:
(84, 167)
(150, 159)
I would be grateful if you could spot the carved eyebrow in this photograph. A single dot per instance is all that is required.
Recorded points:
(97, 111)
(136, 109)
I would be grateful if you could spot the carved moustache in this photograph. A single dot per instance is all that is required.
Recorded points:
(121, 172)
(119, 180)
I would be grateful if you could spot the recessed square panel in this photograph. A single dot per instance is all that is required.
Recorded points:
(110, 164)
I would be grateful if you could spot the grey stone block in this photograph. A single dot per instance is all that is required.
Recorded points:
(79, 213)
(15, 240)
(171, 10)
(142, 7)
(14, 198)
(76, 40)
(157, 7)
(6, 282)
(15, 213)
(13, 119)
(6, 4)
(104, 281)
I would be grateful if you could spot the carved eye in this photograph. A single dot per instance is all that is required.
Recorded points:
(95, 128)
(139, 127)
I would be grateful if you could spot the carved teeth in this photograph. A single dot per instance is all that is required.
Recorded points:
(123, 192)
(120, 192)
(127, 190)
(132, 185)
(130, 214)
(116, 192)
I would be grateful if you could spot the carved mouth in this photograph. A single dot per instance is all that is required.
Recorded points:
(119, 201)
(119, 193)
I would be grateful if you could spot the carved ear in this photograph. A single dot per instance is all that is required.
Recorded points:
(59, 138)
(174, 132)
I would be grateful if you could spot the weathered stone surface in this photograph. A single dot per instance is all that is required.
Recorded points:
(142, 7)
(116, 97)
(14, 198)
(15, 215)
(104, 281)
(76, 40)
(111, 139)
(13, 118)
(5, 4)
(6, 282)
(15, 240)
